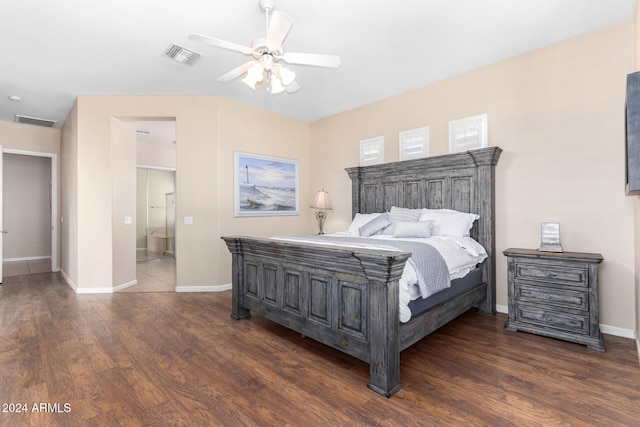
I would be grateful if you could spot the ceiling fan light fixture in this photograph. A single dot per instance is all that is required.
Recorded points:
(276, 85)
(256, 72)
(249, 82)
(286, 76)
(267, 52)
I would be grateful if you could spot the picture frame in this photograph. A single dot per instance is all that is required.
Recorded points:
(372, 151)
(414, 143)
(468, 133)
(265, 185)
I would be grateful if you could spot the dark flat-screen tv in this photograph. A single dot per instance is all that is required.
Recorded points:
(632, 131)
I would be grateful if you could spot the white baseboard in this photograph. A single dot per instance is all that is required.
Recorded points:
(219, 288)
(67, 279)
(618, 332)
(26, 258)
(125, 285)
(84, 290)
(77, 290)
(94, 290)
(605, 329)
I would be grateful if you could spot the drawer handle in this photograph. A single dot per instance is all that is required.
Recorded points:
(552, 275)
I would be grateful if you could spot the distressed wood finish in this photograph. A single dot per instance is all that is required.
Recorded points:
(347, 298)
(555, 294)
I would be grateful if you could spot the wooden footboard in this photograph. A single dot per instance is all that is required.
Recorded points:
(346, 298)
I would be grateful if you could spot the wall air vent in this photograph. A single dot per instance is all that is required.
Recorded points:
(182, 55)
(35, 121)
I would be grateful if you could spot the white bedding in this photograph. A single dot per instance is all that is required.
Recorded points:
(461, 255)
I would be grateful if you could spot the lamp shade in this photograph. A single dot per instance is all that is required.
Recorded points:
(321, 201)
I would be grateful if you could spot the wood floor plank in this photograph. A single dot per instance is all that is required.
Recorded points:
(166, 359)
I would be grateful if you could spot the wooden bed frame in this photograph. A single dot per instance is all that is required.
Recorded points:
(347, 298)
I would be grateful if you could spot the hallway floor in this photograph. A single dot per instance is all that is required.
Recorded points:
(153, 276)
(21, 268)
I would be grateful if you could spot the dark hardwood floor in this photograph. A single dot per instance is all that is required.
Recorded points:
(165, 359)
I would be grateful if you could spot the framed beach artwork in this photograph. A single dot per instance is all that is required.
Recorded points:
(265, 186)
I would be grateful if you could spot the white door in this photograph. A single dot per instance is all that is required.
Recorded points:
(1, 230)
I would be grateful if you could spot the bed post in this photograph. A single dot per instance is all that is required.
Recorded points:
(238, 311)
(383, 275)
(354, 174)
(486, 160)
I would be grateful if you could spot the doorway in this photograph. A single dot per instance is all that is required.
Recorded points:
(156, 247)
(155, 214)
(29, 212)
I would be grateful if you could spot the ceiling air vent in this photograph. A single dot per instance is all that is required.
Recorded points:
(183, 55)
(35, 121)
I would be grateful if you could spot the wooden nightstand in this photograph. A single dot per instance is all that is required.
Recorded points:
(555, 294)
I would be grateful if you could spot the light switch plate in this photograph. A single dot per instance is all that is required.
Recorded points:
(128, 220)
(188, 220)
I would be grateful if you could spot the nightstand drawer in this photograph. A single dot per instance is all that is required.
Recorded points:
(578, 300)
(548, 318)
(561, 274)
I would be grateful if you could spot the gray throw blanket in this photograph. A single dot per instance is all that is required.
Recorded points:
(430, 267)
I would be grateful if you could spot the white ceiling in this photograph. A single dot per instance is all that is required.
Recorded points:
(54, 51)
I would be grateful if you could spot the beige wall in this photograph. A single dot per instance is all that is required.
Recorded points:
(156, 154)
(123, 194)
(208, 130)
(69, 197)
(33, 138)
(558, 113)
(250, 130)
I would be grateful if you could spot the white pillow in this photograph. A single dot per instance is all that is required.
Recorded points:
(447, 222)
(401, 214)
(359, 220)
(413, 229)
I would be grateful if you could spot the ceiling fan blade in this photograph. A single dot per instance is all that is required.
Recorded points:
(236, 72)
(293, 87)
(317, 60)
(221, 43)
(279, 27)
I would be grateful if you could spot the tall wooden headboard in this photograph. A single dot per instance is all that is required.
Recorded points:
(461, 181)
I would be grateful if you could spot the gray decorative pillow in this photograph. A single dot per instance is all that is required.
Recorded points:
(413, 229)
(375, 225)
(404, 214)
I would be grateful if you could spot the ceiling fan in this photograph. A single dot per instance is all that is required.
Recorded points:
(266, 67)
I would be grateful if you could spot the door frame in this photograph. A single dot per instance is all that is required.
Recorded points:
(54, 198)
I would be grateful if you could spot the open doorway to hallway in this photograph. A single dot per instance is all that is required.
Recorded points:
(29, 208)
